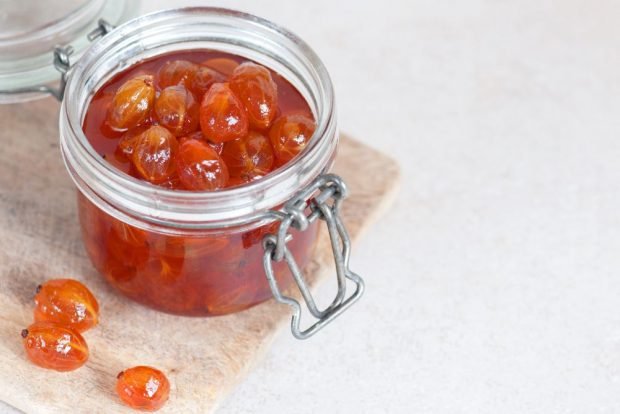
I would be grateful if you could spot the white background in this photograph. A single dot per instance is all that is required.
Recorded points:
(494, 282)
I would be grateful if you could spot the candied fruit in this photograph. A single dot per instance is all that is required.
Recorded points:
(129, 139)
(176, 72)
(254, 86)
(289, 135)
(132, 103)
(222, 116)
(199, 167)
(225, 66)
(177, 110)
(153, 154)
(53, 346)
(250, 121)
(127, 246)
(203, 78)
(143, 388)
(198, 135)
(66, 302)
(192, 248)
(248, 158)
(129, 234)
(236, 181)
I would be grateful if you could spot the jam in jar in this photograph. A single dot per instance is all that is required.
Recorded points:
(198, 140)
(166, 121)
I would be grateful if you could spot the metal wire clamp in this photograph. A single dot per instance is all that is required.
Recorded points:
(321, 199)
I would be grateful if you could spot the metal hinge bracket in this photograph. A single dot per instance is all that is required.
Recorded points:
(319, 200)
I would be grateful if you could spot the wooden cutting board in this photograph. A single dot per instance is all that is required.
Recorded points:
(40, 239)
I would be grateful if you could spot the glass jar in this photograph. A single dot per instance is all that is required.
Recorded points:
(209, 253)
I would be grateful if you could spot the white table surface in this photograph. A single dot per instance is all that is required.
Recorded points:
(493, 286)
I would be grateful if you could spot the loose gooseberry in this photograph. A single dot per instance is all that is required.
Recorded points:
(225, 66)
(53, 346)
(132, 103)
(66, 302)
(203, 78)
(289, 135)
(177, 110)
(222, 116)
(199, 167)
(176, 72)
(154, 153)
(249, 158)
(254, 86)
(143, 388)
(200, 137)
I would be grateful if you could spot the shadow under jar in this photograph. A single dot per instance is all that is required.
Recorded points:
(204, 253)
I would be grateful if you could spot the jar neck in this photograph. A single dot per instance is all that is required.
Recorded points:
(130, 199)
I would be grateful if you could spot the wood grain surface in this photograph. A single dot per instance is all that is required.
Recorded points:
(40, 239)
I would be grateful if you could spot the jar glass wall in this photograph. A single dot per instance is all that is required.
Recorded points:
(212, 273)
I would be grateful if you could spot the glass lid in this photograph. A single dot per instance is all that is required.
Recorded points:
(30, 30)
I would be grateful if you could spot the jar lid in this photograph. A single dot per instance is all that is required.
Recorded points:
(30, 31)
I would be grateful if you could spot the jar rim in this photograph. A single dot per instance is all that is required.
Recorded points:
(128, 198)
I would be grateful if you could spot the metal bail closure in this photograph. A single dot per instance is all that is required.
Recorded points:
(321, 199)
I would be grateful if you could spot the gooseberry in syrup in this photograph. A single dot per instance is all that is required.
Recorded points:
(176, 72)
(289, 135)
(153, 154)
(128, 234)
(222, 115)
(192, 275)
(198, 135)
(129, 139)
(235, 181)
(225, 66)
(177, 110)
(132, 103)
(202, 80)
(129, 252)
(248, 158)
(254, 86)
(143, 388)
(66, 302)
(199, 167)
(54, 346)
